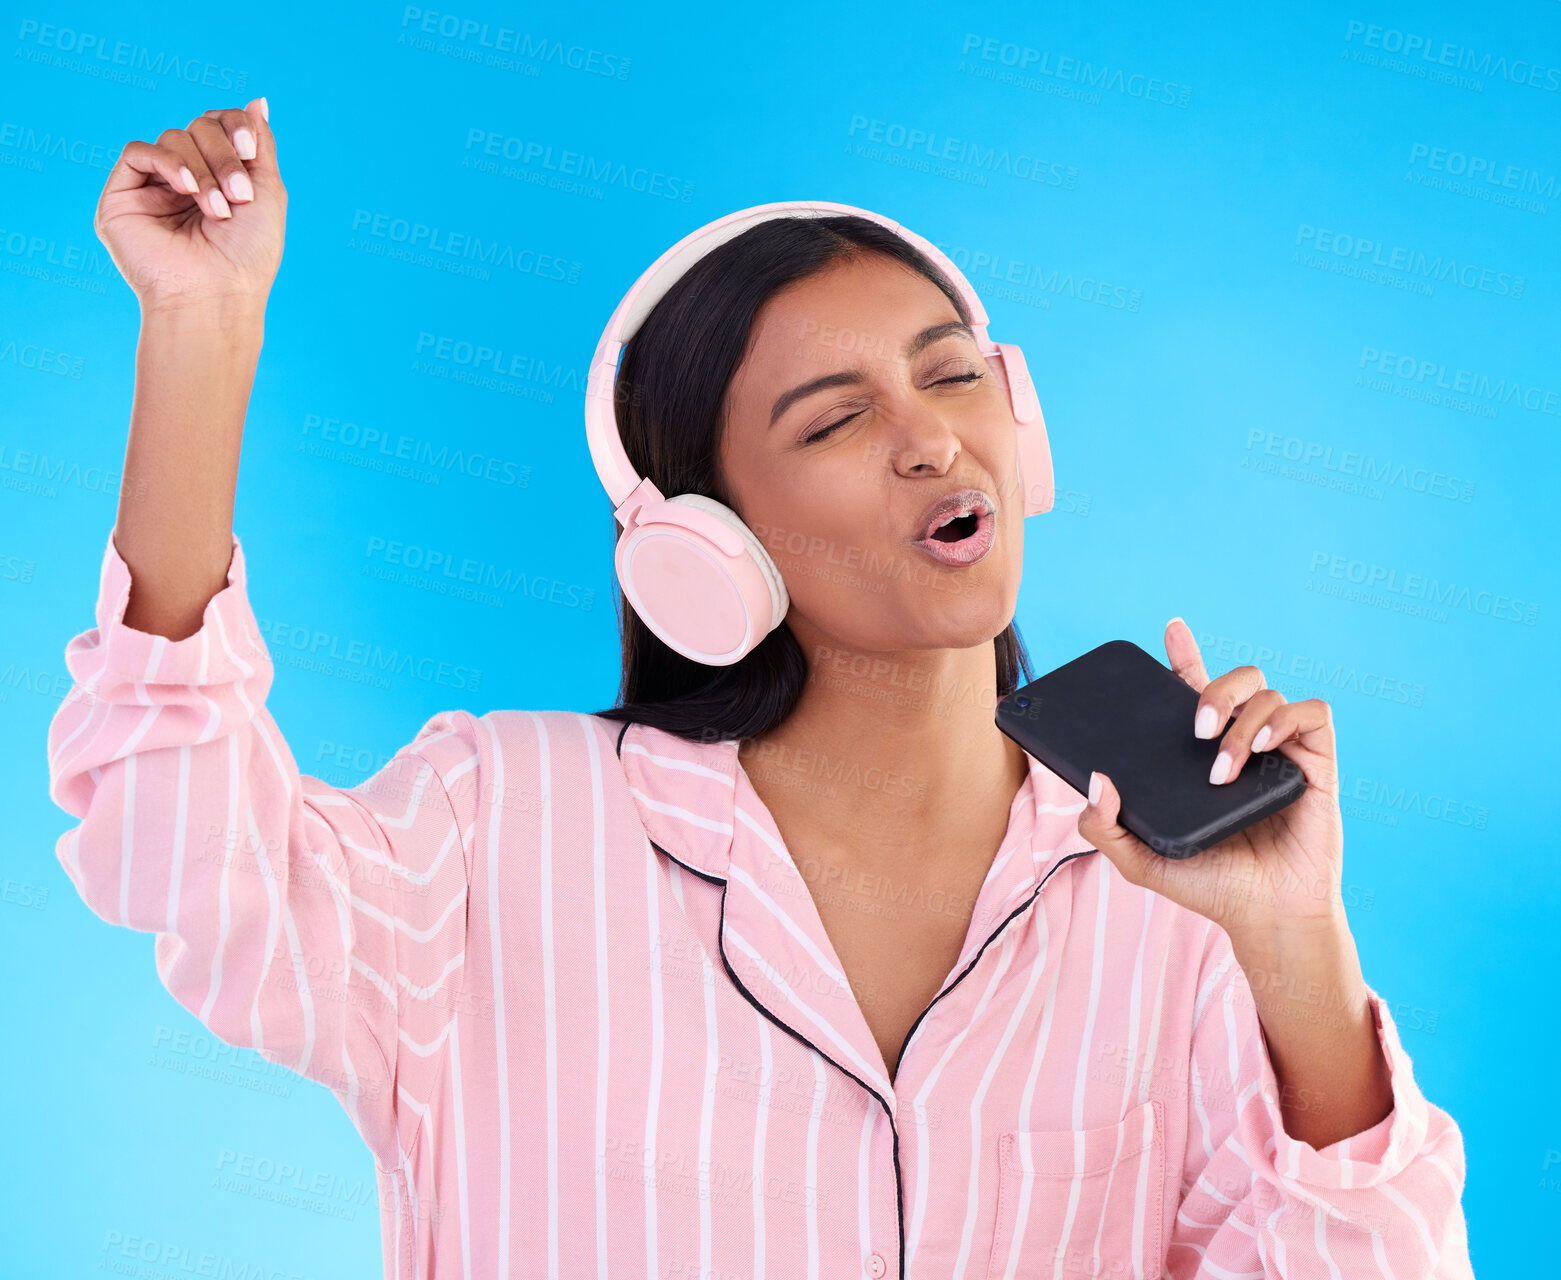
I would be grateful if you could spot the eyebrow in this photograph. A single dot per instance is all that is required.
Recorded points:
(849, 377)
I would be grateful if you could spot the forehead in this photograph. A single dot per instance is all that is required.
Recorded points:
(853, 309)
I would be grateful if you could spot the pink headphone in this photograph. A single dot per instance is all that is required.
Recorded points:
(694, 572)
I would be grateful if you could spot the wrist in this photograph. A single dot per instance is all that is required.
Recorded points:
(218, 315)
(1312, 963)
(1326, 933)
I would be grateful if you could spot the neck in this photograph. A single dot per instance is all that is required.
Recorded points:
(890, 753)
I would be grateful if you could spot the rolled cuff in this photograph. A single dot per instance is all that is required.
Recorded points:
(1363, 1159)
(228, 646)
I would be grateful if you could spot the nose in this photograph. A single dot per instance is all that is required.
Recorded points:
(923, 441)
(926, 450)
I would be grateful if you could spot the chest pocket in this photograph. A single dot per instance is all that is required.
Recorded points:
(1082, 1202)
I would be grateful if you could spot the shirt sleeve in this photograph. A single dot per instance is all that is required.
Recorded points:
(322, 927)
(1385, 1202)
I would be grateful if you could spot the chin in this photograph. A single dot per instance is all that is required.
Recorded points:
(966, 619)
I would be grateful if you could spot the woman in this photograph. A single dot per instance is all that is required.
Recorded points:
(636, 993)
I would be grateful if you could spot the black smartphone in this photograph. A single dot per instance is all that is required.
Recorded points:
(1119, 710)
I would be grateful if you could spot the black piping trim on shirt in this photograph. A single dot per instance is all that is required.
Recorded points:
(899, 1191)
(899, 1187)
(899, 1194)
(693, 871)
(1023, 906)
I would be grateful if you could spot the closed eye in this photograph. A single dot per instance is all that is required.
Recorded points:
(833, 426)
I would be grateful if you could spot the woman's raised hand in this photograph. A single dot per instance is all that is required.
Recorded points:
(197, 218)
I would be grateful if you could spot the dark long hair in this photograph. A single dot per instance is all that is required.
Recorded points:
(670, 406)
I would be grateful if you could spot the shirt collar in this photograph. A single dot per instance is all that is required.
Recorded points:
(699, 807)
(688, 794)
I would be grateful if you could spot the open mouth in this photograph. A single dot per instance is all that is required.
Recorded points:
(961, 540)
(957, 529)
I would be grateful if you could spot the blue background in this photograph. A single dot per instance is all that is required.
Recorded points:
(1213, 363)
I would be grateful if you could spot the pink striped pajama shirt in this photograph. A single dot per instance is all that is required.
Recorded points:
(575, 994)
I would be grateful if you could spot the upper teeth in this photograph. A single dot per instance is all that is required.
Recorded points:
(963, 511)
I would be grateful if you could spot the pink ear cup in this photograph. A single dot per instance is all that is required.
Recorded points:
(711, 606)
(1035, 456)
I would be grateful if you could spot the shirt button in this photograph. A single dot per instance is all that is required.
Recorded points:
(876, 1266)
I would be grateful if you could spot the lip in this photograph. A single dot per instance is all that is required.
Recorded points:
(971, 549)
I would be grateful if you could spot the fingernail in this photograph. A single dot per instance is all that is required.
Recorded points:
(1177, 618)
(1094, 788)
(1261, 741)
(265, 110)
(1220, 769)
(190, 185)
(220, 206)
(241, 187)
(1206, 724)
(244, 144)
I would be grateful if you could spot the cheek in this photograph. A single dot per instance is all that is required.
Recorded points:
(820, 513)
(792, 540)
(829, 559)
(1011, 541)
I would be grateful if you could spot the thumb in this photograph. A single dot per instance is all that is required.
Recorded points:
(264, 163)
(1138, 863)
